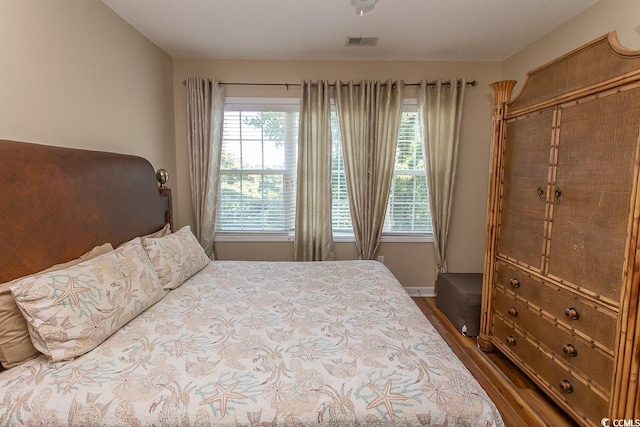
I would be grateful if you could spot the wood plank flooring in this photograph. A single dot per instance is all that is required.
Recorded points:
(518, 399)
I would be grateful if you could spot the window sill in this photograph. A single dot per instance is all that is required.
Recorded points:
(389, 238)
(337, 238)
(253, 237)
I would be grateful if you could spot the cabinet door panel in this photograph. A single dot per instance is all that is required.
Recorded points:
(525, 175)
(597, 151)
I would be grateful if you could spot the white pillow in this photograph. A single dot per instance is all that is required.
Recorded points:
(176, 257)
(70, 311)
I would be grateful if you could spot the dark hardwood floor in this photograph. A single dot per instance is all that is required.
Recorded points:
(518, 399)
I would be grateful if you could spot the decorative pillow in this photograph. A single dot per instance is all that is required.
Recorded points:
(164, 231)
(15, 342)
(69, 312)
(176, 257)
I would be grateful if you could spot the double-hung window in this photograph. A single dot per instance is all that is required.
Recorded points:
(408, 207)
(257, 173)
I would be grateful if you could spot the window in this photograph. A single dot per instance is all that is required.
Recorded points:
(408, 208)
(340, 214)
(257, 174)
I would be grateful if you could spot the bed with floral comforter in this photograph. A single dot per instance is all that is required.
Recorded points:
(257, 343)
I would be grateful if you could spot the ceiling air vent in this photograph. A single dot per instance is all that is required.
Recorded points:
(361, 41)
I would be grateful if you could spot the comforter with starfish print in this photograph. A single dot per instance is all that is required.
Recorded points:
(257, 343)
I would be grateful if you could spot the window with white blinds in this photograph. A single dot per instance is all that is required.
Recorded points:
(340, 214)
(257, 175)
(408, 208)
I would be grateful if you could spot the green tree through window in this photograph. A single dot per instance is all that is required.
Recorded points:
(257, 171)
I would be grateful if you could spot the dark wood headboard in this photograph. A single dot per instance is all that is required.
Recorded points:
(58, 203)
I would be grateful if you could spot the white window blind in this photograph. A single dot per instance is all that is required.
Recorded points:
(408, 208)
(257, 176)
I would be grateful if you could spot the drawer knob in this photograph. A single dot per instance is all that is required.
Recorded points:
(566, 386)
(572, 313)
(570, 350)
(511, 340)
(513, 312)
(514, 282)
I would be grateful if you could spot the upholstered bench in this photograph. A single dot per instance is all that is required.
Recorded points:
(458, 297)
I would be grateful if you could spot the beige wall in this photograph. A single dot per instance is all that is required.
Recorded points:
(73, 73)
(412, 263)
(622, 16)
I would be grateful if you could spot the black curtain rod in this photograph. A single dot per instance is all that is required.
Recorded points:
(288, 85)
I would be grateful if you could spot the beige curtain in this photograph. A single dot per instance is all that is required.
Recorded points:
(440, 112)
(314, 239)
(205, 112)
(369, 113)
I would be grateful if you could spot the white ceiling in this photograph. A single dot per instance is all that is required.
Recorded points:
(439, 30)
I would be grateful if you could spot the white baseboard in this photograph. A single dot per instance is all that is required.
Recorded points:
(423, 291)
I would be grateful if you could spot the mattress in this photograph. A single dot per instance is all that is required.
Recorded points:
(252, 343)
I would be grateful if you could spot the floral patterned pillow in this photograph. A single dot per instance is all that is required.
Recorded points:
(70, 311)
(15, 342)
(176, 257)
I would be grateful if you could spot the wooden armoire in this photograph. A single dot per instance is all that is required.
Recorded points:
(562, 268)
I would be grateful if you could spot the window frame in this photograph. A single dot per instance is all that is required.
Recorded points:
(410, 105)
(263, 104)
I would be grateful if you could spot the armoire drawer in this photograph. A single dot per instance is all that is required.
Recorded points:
(572, 349)
(564, 386)
(594, 321)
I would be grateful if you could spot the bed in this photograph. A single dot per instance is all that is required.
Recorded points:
(152, 333)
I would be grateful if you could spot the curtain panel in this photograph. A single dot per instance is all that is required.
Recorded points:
(369, 113)
(440, 112)
(314, 236)
(205, 113)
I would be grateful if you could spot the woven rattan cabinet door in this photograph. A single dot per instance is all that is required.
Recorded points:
(524, 188)
(597, 149)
